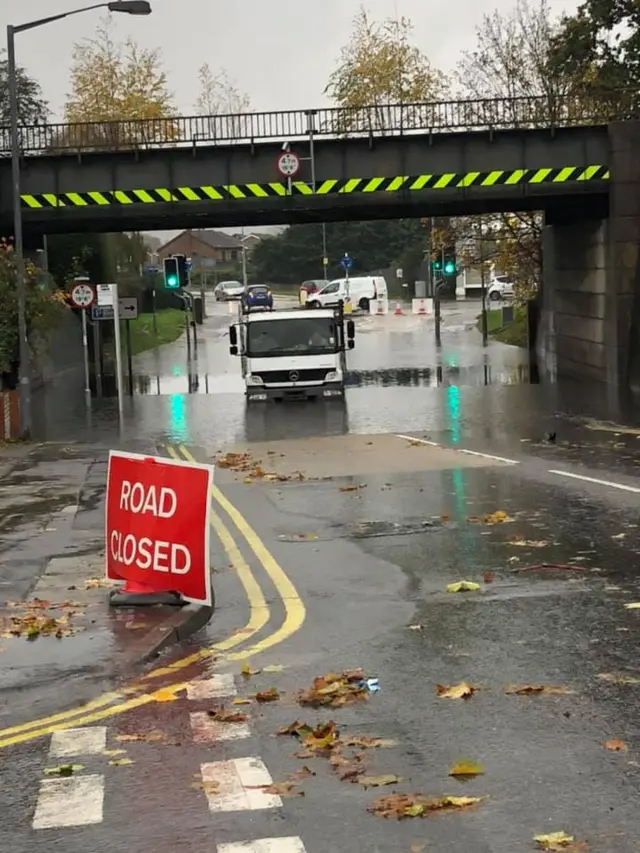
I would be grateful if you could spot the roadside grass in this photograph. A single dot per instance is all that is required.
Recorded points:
(514, 334)
(170, 322)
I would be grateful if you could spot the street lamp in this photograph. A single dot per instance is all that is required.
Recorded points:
(129, 7)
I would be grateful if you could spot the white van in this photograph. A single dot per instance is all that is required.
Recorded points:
(359, 291)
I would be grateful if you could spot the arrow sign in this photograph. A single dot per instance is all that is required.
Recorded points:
(346, 262)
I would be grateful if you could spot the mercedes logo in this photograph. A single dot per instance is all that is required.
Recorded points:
(294, 376)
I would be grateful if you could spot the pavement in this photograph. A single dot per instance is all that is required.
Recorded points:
(340, 531)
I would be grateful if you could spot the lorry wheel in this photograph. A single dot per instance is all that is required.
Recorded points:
(364, 304)
(314, 305)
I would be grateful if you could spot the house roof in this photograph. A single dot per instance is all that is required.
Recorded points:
(211, 238)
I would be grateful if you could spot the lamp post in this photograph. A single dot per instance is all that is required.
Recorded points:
(129, 7)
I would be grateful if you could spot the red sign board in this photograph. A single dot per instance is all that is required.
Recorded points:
(158, 521)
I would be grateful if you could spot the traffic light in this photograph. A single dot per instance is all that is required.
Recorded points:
(171, 274)
(437, 264)
(183, 272)
(450, 266)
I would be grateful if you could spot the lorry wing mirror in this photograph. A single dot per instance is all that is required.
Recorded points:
(351, 343)
(233, 336)
(351, 330)
(233, 350)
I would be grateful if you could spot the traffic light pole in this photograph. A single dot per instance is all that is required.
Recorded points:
(436, 311)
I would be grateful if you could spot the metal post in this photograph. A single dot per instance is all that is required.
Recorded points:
(97, 356)
(244, 260)
(85, 350)
(436, 307)
(24, 354)
(483, 291)
(45, 253)
(116, 330)
(127, 329)
(154, 315)
(312, 158)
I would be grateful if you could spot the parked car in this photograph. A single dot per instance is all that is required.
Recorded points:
(311, 286)
(499, 288)
(257, 296)
(227, 290)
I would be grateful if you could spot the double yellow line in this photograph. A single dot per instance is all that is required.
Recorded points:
(118, 702)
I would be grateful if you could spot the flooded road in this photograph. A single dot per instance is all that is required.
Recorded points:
(466, 537)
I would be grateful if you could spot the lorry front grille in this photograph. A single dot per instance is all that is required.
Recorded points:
(276, 377)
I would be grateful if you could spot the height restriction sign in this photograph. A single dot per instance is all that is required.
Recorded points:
(288, 164)
(157, 530)
(83, 295)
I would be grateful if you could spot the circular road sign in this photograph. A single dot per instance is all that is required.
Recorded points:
(83, 295)
(288, 164)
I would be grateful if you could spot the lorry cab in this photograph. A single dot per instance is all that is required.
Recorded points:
(295, 354)
(359, 291)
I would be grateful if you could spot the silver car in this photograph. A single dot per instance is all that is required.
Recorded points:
(227, 290)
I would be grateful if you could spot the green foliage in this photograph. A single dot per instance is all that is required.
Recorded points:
(32, 107)
(600, 44)
(296, 253)
(44, 309)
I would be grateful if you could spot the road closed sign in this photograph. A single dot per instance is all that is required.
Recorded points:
(157, 529)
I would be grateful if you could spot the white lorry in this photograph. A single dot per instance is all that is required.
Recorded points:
(295, 354)
(359, 291)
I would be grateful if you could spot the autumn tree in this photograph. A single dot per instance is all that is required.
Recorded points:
(380, 67)
(117, 82)
(220, 103)
(32, 107)
(600, 45)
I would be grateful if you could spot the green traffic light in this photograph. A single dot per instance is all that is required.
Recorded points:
(172, 281)
(449, 268)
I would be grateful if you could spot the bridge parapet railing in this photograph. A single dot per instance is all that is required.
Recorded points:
(525, 113)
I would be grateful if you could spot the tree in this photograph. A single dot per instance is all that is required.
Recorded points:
(296, 253)
(221, 103)
(32, 107)
(112, 82)
(378, 67)
(43, 310)
(600, 45)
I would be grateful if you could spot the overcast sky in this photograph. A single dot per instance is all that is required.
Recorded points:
(280, 52)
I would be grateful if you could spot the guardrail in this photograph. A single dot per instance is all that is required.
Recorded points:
(524, 113)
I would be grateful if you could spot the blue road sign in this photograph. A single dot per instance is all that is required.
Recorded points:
(346, 262)
(150, 270)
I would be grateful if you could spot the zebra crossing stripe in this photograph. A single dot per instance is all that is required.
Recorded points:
(215, 687)
(290, 844)
(69, 801)
(91, 740)
(236, 785)
(207, 730)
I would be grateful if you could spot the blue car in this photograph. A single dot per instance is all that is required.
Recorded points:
(257, 296)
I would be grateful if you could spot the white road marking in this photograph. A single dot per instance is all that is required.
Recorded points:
(70, 801)
(91, 740)
(291, 844)
(238, 785)
(620, 486)
(207, 730)
(216, 687)
(459, 449)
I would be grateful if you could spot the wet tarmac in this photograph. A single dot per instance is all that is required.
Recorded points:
(371, 552)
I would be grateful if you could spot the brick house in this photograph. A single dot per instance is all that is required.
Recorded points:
(204, 245)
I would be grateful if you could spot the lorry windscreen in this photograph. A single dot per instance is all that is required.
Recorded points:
(297, 336)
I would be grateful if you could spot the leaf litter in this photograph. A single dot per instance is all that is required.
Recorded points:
(335, 690)
(497, 517)
(418, 805)
(40, 618)
(615, 745)
(618, 678)
(538, 690)
(226, 715)
(463, 586)
(456, 691)
(463, 770)
(559, 841)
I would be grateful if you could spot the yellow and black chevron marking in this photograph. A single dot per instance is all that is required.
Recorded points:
(400, 183)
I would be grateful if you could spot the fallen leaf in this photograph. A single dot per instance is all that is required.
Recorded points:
(488, 577)
(113, 752)
(335, 690)
(270, 695)
(247, 671)
(63, 769)
(618, 678)
(634, 605)
(463, 586)
(364, 742)
(225, 715)
(379, 781)
(296, 729)
(417, 805)
(303, 773)
(619, 536)
(211, 787)
(554, 841)
(281, 789)
(497, 517)
(121, 762)
(166, 694)
(457, 691)
(238, 700)
(466, 769)
(417, 848)
(273, 668)
(416, 627)
(615, 745)
(537, 690)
